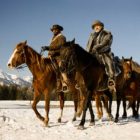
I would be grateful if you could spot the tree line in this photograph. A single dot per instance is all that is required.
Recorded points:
(14, 92)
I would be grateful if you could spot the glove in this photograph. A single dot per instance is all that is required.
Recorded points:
(93, 50)
(44, 48)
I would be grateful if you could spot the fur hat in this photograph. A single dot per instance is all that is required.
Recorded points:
(56, 26)
(97, 22)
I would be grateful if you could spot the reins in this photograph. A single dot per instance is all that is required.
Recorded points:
(25, 64)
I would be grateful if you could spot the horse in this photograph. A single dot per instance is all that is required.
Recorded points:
(132, 88)
(44, 78)
(93, 73)
(106, 95)
(86, 66)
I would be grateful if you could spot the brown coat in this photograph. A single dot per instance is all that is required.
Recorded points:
(56, 43)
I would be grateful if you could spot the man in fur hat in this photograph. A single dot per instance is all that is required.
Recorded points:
(57, 41)
(99, 44)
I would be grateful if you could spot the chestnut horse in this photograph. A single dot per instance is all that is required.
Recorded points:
(44, 78)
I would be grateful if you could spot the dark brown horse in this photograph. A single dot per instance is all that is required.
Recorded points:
(44, 78)
(86, 66)
(121, 82)
(132, 88)
(93, 74)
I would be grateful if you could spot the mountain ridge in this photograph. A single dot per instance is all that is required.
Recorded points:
(11, 79)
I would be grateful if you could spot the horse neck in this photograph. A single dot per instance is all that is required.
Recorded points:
(120, 80)
(36, 64)
(85, 59)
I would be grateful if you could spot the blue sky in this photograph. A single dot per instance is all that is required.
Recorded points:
(31, 20)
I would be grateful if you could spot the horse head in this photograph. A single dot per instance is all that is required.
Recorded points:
(67, 49)
(127, 67)
(66, 56)
(18, 56)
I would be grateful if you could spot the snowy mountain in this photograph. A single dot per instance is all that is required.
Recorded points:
(9, 79)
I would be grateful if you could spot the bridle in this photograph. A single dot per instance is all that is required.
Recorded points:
(25, 63)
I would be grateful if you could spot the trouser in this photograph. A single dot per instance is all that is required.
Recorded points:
(60, 76)
(107, 59)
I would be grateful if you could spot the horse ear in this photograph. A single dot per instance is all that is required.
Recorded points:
(122, 58)
(73, 41)
(131, 58)
(25, 42)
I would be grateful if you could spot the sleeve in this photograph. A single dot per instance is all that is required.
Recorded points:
(89, 43)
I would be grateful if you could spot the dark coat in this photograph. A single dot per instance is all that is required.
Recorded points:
(100, 42)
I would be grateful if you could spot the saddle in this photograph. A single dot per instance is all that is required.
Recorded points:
(103, 85)
(116, 63)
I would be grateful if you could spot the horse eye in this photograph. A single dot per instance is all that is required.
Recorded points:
(18, 51)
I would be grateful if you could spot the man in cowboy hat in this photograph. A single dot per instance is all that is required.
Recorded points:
(57, 41)
(99, 44)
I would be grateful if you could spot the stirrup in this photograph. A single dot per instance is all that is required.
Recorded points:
(111, 82)
(65, 87)
(112, 85)
(77, 86)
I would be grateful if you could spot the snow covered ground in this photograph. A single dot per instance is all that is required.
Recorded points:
(18, 122)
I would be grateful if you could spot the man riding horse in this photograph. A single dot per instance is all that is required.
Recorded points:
(57, 41)
(99, 44)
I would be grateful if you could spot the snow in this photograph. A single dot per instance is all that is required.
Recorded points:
(18, 122)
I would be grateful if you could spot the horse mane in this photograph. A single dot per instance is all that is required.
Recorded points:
(135, 66)
(85, 56)
(43, 62)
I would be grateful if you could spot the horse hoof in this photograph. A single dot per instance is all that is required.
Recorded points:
(116, 120)
(136, 116)
(74, 119)
(78, 114)
(92, 123)
(46, 124)
(110, 118)
(124, 116)
(59, 120)
(81, 127)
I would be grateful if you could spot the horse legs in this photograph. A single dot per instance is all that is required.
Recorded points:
(134, 110)
(47, 106)
(98, 106)
(105, 101)
(81, 101)
(61, 99)
(118, 108)
(109, 95)
(37, 97)
(76, 102)
(92, 121)
(124, 109)
(86, 105)
(138, 103)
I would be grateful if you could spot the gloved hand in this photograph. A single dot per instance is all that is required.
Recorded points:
(44, 48)
(93, 50)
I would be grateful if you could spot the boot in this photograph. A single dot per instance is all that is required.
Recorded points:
(58, 86)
